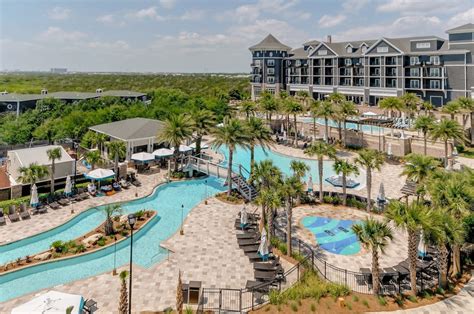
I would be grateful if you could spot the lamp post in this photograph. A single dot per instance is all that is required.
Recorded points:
(131, 220)
(181, 232)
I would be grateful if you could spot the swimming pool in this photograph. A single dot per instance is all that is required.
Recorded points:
(242, 157)
(166, 199)
(333, 235)
(349, 125)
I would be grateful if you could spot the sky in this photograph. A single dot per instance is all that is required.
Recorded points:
(198, 35)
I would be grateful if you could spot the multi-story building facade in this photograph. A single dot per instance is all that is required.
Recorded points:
(435, 69)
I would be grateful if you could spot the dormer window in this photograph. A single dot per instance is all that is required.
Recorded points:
(349, 49)
(363, 48)
(425, 45)
(382, 49)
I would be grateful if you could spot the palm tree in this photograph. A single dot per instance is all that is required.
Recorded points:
(467, 105)
(176, 130)
(452, 108)
(411, 102)
(413, 218)
(231, 135)
(291, 189)
(32, 174)
(203, 122)
(314, 110)
(294, 107)
(424, 124)
(418, 167)
(326, 111)
(428, 107)
(53, 154)
(447, 130)
(266, 175)
(99, 140)
(303, 95)
(248, 107)
(123, 302)
(374, 235)
(109, 211)
(299, 168)
(371, 160)
(179, 295)
(320, 150)
(391, 104)
(270, 200)
(116, 151)
(337, 99)
(345, 168)
(345, 110)
(258, 134)
(268, 104)
(92, 158)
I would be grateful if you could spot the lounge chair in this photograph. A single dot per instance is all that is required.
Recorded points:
(134, 180)
(255, 257)
(24, 214)
(41, 209)
(12, 214)
(84, 195)
(2, 217)
(265, 275)
(249, 234)
(250, 248)
(63, 202)
(125, 184)
(246, 242)
(54, 205)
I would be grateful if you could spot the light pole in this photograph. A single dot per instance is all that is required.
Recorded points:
(131, 220)
(181, 232)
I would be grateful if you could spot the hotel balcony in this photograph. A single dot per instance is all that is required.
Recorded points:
(256, 64)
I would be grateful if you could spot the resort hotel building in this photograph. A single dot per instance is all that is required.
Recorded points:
(436, 69)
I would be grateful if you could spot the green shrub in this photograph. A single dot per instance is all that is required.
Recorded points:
(382, 300)
(101, 241)
(327, 199)
(178, 175)
(355, 298)
(349, 306)
(124, 233)
(313, 307)
(365, 303)
(399, 300)
(413, 299)
(80, 248)
(440, 290)
(188, 310)
(426, 294)
(275, 297)
(294, 307)
(58, 246)
(139, 214)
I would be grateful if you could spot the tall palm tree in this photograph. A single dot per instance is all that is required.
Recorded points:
(320, 150)
(123, 302)
(374, 235)
(326, 111)
(391, 104)
(467, 105)
(248, 107)
(411, 102)
(424, 124)
(109, 211)
(270, 200)
(32, 174)
(176, 130)
(314, 110)
(266, 175)
(291, 189)
(428, 107)
(53, 155)
(258, 134)
(99, 140)
(294, 108)
(446, 130)
(345, 110)
(231, 135)
(371, 160)
(203, 122)
(337, 99)
(92, 158)
(303, 96)
(413, 218)
(299, 168)
(418, 167)
(452, 108)
(268, 104)
(116, 151)
(345, 168)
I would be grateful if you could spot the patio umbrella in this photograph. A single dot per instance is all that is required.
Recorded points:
(381, 195)
(203, 146)
(369, 114)
(421, 246)
(163, 152)
(282, 128)
(310, 183)
(143, 157)
(68, 188)
(284, 135)
(243, 217)
(389, 149)
(34, 201)
(51, 302)
(100, 174)
(184, 148)
(263, 247)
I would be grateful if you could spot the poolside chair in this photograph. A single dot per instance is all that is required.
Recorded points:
(54, 205)
(265, 275)
(248, 234)
(134, 180)
(12, 214)
(125, 184)
(63, 202)
(41, 209)
(246, 242)
(250, 248)
(2, 217)
(24, 214)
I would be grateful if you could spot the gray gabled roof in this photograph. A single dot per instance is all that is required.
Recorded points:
(466, 28)
(270, 43)
(73, 95)
(313, 43)
(130, 129)
(21, 97)
(39, 155)
(298, 53)
(122, 93)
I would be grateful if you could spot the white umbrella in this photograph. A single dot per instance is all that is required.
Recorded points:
(381, 195)
(68, 187)
(243, 217)
(263, 247)
(369, 114)
(184, 148)
(284, 135)
(310, 183)
(34, 201)
(100, 174)
(143, 157)
(389, 149)
(163, 152)
(302, 130)
(203, 145)
(51, 302)
(282, 128)
(422, 246)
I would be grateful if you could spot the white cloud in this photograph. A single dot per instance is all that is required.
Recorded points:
(327, 21)
(250, 12)
(59, 13)
(148, 13)
(107, 19)
(168, 4)
(116, 45)
(462, 18)
(193, 15)
(354, 5)
(59, 35)
(422, 6)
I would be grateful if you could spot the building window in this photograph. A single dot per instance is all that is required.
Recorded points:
(435, 72)
(415, 72)
(435, 84)
(349, 49)
(348, 61)
(382, 49)
(271, 91)
(414, 84)
(270, 80)
(360, 82)
(258, 54)
(298, 63)
(376, 71)
(364, 49)
(270, 71)
(347, 81)
(392, 83)
(271, 54)
(434, 60)
(423, 45)
(377, 83)
(271, 63)
(414, 60)
(322, 52)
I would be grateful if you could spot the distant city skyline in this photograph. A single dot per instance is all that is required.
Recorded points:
(198, 36)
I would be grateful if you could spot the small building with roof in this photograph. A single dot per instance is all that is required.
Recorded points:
(16, 159)
(138, 134)
(18, 103)
(124, 94)
(71, 97)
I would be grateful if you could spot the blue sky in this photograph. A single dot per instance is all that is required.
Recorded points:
(196, 35)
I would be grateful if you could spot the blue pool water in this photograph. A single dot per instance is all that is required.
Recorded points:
(166, 200)
(349, 125)
(340, 240)
(242, 157)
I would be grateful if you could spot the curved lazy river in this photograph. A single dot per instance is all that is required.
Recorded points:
(242, 157)
(166, 200)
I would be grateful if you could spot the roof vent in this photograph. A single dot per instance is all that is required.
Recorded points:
(329, 39)
(99, 91)
(44, 91)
